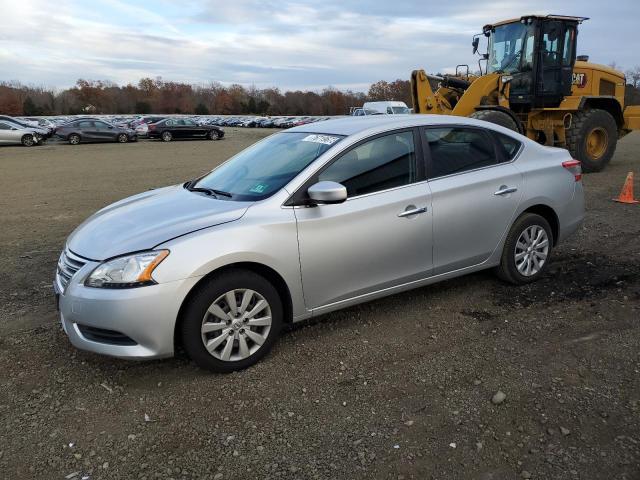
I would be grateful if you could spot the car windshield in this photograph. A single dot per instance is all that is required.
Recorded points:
(400, 110)
(506, 45)
(264, 168)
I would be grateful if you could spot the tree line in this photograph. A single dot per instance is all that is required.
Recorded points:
(160, 96)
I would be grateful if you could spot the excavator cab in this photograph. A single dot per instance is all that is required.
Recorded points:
(535, 55)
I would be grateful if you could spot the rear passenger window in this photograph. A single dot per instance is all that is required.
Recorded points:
(379, 164)
(457, 150)
(510, 146)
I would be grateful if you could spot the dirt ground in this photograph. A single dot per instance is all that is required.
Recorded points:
(397, 388)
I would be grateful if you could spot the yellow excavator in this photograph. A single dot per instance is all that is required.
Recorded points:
(533, 83)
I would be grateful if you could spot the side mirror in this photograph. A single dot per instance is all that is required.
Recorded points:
(323, 193)
(475, 43)
(110, 127)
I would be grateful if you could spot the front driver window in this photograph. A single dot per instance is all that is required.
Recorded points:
(383, 163)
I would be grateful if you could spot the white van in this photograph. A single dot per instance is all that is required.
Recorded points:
(386, 108)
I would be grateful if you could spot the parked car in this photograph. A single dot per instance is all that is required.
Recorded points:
(43, 132)
(94, 130)
(14, 134)
(349, 210)
(171, 128)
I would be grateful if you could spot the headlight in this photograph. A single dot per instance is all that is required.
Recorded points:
(127, 271)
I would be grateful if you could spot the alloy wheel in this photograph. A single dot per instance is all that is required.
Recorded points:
(531, 251)
(122, 138)
(236, 325)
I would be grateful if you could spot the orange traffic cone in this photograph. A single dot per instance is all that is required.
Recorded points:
(626, 195)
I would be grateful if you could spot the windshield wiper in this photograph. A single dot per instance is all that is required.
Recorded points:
(221, 192)
(209, 191)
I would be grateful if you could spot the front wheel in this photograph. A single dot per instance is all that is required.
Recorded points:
(232, 321)
(123, 138)
(166, 136)
(214, 135)
(27, 140)
(496, 117)
(527, 250)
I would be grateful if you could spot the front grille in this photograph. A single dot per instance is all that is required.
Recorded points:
(68, 265)
(103, 335)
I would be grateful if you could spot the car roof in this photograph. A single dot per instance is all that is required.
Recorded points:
(373, 123)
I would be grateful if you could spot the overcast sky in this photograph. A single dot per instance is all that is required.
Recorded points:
(298, 44)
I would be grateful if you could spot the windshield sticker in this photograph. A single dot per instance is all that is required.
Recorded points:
(324, 139)
(259, 188)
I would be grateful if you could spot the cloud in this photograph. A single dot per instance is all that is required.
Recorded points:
(301, 44)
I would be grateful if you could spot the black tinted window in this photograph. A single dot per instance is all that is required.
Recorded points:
(456, 150)
(85, 124)
(510, 146)
(379, 164)
(4, 126)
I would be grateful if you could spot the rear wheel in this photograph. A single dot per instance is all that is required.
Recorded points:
(27, 140)
(74, 139)
(497, 117)
(123, 138)
(527, 250)
(592, 138)
(166, 136)
(232, 321)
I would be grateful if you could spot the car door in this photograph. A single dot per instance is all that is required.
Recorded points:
(380, 236)
(9, 134)
(193, 129)
(475, 193)
(88, 130)
(104, 131)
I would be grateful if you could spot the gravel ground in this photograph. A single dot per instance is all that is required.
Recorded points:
(404, 387)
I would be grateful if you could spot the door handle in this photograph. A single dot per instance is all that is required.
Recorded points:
(413, 211)
(503, 190)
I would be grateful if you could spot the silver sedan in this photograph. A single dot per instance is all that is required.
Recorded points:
(307, 221)
(15, 134)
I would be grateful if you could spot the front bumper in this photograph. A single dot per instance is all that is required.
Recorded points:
(133, 323)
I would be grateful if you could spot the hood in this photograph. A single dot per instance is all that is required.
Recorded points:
(145, 220)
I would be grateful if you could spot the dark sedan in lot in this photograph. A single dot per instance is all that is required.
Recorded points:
(94, 130)
(171, 128)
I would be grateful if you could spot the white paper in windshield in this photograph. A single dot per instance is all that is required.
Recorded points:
(324, 139)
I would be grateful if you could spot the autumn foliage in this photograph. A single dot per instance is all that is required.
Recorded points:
(160, 96)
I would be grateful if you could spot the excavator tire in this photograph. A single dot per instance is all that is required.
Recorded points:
(592, 138)
(497, 117)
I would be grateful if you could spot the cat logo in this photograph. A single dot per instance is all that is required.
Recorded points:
(579, 79)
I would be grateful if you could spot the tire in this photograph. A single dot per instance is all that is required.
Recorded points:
(597, 126)
(166, 136)
(28, 140)
(511, 266)
(497, 117)
(123, 138)
(226, 334)
(213, 135)
(74, 139)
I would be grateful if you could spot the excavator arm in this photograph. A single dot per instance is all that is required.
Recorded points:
(454, 96)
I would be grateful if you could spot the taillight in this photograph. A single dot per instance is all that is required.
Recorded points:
(574, 167)
(152, 126)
